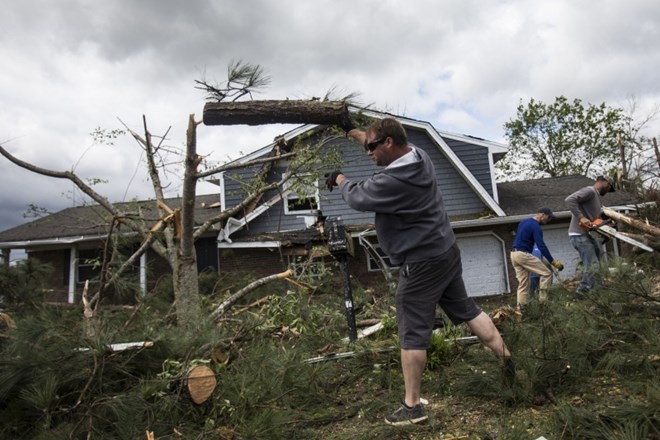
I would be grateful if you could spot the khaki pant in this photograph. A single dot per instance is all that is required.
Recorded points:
(524, 263)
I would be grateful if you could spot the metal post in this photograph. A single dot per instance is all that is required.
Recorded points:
(348, 300)
(341, 247)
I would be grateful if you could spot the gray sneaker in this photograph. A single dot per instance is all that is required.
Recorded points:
(406, 416)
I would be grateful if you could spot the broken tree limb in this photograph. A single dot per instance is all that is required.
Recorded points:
(123, 346)
(226, 304)
(275, 112)
(367, 331)
(632, 222)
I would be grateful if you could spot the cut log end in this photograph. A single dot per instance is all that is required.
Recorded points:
(201, 383)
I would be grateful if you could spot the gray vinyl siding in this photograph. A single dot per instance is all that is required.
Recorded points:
(460, 199)
(475, 158)
(234, 192)
(357, 166)
(274, 219)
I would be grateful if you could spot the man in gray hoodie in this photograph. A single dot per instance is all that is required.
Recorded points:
(414, 231)
(585, 206)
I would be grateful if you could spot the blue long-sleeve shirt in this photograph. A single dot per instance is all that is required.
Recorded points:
(529, 232)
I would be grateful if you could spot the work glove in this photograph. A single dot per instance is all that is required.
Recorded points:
(557, 264)
(585, 223)
(331, 179)
(346, 123)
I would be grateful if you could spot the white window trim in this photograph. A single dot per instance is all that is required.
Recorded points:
(372, 265)
(294, 196)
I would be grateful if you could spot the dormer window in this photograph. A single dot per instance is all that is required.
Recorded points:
(303, 198)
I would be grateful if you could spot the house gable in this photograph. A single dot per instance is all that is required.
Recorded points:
(463, 165)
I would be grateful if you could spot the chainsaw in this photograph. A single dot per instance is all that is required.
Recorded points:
(604, 228)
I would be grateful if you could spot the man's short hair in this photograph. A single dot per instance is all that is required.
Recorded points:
(389, 127)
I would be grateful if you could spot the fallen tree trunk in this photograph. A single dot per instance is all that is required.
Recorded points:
(275, 112)
(632, 222)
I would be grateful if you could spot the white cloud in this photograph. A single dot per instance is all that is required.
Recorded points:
(463, 66)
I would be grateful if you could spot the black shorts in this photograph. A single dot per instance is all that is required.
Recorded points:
(424, 285)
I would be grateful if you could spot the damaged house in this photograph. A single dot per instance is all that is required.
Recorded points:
(283, 227)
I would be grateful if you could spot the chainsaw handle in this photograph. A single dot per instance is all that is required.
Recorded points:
(585, 223)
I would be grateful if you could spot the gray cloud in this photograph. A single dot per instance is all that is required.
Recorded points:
(463, 66)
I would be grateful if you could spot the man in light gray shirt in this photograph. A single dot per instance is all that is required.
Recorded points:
(585, 206)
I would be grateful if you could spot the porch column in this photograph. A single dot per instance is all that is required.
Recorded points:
(6, 253)
(143, 274)
(72, 274)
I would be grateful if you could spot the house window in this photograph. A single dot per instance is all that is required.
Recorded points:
(304, 197)
(89, 265)
(207, 254)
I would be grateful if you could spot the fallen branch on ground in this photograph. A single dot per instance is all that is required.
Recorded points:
(226, 304)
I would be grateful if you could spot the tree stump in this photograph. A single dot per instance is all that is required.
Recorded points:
(200, 382)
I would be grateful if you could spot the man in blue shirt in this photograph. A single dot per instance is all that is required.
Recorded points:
(534, 277)
(529, 234)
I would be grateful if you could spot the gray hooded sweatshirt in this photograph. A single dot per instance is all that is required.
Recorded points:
(411, 221)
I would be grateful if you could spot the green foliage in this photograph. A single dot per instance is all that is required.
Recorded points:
(242, 79)
(562, 138)
(35, 211)
(442, 349)
(593, 356)
(23, 284)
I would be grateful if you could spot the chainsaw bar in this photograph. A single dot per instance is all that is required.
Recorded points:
(610, 232)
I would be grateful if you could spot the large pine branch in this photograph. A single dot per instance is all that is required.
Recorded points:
(275, 112)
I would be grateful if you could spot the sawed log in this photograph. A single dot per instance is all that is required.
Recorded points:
(200, 383)
(275, 112)
(638, 224)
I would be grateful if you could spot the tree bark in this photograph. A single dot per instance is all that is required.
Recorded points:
(632, 222)
(188, 306)
(275, 112)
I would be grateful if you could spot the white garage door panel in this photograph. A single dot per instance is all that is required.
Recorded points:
(561, 249)
(484, 271)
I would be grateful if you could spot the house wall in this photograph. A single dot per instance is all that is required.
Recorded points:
(476, 159)
(260, 262)
(58, 284)
(460, 199)
(157, 267)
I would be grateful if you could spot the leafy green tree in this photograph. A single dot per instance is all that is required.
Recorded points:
(563, 138)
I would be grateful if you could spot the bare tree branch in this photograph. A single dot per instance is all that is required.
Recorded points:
(62, 175)
(226, 304)
(237, 165)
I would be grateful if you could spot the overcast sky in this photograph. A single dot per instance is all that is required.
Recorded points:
(69, 66)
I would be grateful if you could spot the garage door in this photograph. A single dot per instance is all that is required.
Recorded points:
(484, 271)
(556, 238)
(561, 249)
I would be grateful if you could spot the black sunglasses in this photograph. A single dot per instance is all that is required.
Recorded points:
(371, 146)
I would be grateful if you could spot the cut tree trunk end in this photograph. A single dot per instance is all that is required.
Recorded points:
(275, 112)
(200, 382)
